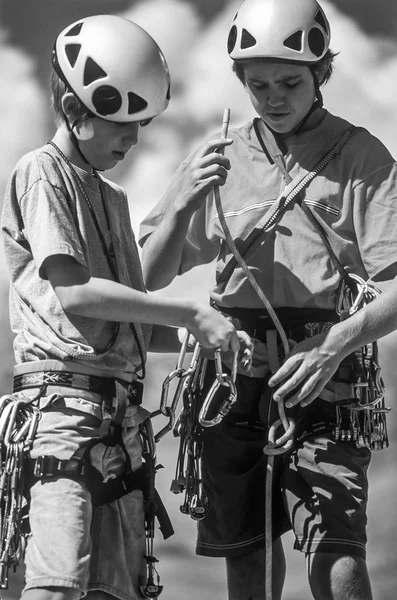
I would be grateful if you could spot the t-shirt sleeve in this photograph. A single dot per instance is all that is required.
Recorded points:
(375, 222)
(49, 224)
(200, 245)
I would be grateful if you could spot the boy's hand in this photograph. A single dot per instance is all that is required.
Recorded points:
(212, 330)
(199, 173)
(245, 353)
(246, 350)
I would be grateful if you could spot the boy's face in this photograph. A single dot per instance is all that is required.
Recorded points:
(282, 94)
(105, 143)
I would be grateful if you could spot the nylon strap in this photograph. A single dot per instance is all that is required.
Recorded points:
(289, 194)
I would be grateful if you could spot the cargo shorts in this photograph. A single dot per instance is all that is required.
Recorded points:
(71, 544)
(320, 488)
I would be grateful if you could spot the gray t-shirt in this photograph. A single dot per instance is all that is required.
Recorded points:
(44, 214)
(354, 198)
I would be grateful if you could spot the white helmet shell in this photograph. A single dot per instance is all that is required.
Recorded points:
(114, 67)
(285, 30)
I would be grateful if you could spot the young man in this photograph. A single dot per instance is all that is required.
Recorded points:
(81, 315)
(342, 222)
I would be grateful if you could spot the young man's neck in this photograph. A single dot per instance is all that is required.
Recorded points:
(63, 140)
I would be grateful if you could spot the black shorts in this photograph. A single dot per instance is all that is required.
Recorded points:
(319, 489)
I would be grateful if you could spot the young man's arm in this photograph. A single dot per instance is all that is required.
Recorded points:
(312, 363)
(195, 178)
(87, 296)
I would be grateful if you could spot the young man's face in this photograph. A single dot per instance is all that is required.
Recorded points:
(282, 94)
(105, 143)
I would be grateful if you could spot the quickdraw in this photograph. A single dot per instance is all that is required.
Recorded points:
(188, 426)
(188, 476)
(18, 425)
(368, 412)
(151, 587)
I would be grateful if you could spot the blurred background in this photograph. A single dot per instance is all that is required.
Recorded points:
(192, 35)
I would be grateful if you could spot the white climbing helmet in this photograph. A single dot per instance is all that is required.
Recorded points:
(114, 67)
(286, 30)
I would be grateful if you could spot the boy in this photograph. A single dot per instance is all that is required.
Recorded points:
(80, 312)
(280, 52)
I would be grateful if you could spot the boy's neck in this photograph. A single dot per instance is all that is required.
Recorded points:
(63, 141)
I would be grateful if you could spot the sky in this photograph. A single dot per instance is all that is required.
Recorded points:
(363, 90)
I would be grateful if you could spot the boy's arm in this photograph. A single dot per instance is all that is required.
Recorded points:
(92, 297)
(164, 339)
(195, 178)
(169, 339)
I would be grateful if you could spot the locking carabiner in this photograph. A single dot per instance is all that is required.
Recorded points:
(222, 379)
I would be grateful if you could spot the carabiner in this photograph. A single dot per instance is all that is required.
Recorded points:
(221, 379)
(168, 427)
(225, 406)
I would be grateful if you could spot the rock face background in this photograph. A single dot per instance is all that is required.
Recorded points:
(192, 36)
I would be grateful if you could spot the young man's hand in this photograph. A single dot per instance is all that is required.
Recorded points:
(198, 174)
(307, 370)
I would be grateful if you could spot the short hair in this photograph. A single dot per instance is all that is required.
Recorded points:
(327, 61)
(58, 89)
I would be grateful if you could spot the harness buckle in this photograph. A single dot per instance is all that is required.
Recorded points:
(49, 466)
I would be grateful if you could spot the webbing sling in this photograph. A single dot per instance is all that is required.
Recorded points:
(289, 194)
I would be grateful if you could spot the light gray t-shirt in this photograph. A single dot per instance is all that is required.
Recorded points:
(44, 214)
(354, 198)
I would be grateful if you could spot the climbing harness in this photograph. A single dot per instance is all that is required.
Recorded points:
(18, 425)
(193, 417)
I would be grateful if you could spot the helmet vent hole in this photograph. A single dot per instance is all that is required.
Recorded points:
(75, 30)
(168, 96)
(321, 21)
(231, 41)
(135, 103)
(294, 41)
(92, 72)
(107, 100)
(316, 41)
(247, 40)
(72, 52)
(235, 17)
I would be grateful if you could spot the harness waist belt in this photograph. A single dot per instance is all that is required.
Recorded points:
(105, 386)
(293, 320)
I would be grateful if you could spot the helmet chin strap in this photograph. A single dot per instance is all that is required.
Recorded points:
(73, 138)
